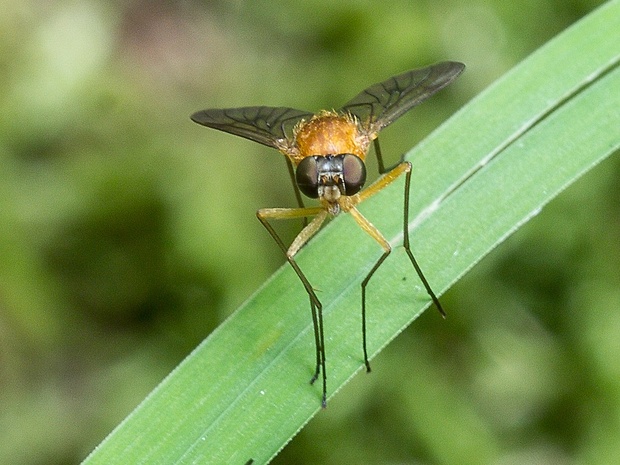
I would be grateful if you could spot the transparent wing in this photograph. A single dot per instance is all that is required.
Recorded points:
(382, 103)
(265, 125)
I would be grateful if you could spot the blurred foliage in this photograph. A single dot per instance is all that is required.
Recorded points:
(128, 233)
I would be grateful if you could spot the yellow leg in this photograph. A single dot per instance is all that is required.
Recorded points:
(316, 307)
(383, 182)
(376, 235)
(389, 178)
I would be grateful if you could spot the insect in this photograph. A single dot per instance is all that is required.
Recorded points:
(325, 155)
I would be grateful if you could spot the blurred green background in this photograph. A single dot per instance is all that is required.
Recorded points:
(127, 233)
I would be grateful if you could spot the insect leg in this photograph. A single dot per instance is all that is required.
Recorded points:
(376, 235)
(315, 304)
(379, 156)
(407, 247)
(391, 176)
(381, 167)
(300, 200)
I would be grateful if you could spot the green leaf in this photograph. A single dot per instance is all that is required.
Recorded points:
(244, 392)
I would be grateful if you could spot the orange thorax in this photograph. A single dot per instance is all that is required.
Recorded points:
(329, 133)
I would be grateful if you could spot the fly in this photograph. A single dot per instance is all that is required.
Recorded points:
(325, 154)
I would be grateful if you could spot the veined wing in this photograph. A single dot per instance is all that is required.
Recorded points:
(382, 103)
(265, 125)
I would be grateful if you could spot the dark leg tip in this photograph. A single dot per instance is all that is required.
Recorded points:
(442, 312)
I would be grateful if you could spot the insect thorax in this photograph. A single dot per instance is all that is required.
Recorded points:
(329, 133)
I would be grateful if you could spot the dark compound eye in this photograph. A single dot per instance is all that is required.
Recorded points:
(353, 173)
(307, 177)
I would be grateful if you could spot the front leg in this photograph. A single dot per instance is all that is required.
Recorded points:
(316, 307)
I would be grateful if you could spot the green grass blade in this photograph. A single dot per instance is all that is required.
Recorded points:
(244, 392)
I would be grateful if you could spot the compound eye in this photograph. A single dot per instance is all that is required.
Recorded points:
(353, 173)
(307, 177)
